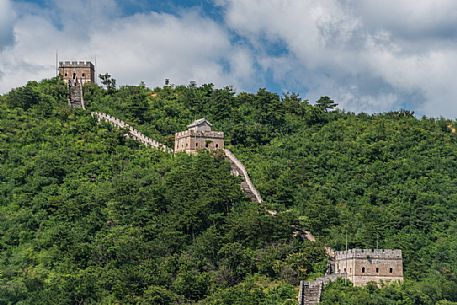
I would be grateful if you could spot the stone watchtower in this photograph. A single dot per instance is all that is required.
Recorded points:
(75, 75)
(362, 266)
(199, 136)
(83, 72)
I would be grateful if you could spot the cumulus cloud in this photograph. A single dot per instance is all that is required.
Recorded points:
(417, 19)
(7, 17)
(369, 55)
(146, 46)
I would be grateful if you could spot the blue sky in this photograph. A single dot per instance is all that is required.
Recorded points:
(369, 56)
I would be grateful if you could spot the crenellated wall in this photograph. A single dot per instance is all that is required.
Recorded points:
(132, 132)
(373, 253)
(238, 169)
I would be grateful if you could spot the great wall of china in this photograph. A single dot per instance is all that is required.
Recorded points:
(237, 167)
(309, 293)
(131, 132)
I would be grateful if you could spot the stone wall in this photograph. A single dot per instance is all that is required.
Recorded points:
(238, 169)
(131, 132)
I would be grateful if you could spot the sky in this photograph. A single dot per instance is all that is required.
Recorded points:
(369, 56)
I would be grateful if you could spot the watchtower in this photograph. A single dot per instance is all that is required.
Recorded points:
(362, 266)
(81, 72)
(198, 136)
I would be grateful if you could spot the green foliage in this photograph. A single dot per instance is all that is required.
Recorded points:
(88, 216)
(108, 82)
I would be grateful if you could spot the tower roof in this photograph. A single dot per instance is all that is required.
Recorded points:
(199, 122)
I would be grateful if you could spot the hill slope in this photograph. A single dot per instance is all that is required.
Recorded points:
(88, 216)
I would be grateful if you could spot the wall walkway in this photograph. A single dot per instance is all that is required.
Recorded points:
(131, 132)
(238, 169)
(75, 90)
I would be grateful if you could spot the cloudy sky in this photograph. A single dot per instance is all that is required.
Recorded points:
(370, 56)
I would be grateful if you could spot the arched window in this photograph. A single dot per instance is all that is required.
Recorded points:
(363, 269)
(391, 270)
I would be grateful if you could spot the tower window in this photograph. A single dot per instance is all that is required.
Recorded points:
(345, 270)
(377, 270)
(196, 144)
(217, 145)
(84, 74)
(363, 269)
(66, 74)
(391, 270)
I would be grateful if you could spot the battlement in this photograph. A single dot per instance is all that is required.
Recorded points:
(206, 134)
(75, 64)
(372, 253)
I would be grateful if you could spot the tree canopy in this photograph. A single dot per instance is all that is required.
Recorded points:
(88, 216)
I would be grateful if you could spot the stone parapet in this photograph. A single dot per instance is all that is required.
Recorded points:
(203, 134)
(132, 132)
(75, 64)
(240, 169)
(372, 253)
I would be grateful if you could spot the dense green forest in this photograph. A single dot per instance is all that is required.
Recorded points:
(88, 216)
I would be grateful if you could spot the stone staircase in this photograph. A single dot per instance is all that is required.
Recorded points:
(247, 186)
(131, 132)
(310, 292)
(76, 98)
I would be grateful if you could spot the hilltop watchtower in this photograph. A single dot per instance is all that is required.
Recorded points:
(75, 74)
(82, 72)
(362, 266)
(198, 136)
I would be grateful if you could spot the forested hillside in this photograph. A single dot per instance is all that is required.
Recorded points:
(88, 216)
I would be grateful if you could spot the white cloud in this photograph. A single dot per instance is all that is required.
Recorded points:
(369, 55)
(7, 17)
(418, 19)
(147, 46)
